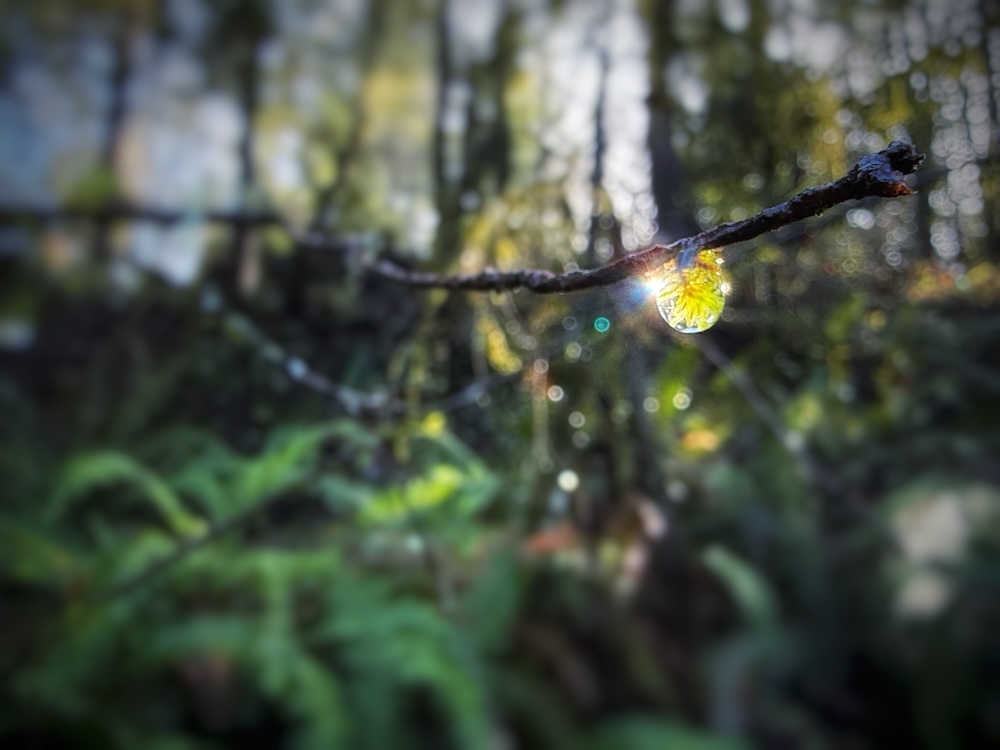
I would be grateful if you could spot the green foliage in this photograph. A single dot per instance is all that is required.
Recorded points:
(88, 472)
(336, 650)
(749, 591)
(642, 733)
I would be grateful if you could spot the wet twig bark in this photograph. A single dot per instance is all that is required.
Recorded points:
(880, 174)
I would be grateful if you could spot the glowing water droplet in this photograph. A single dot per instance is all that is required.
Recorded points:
(691, 291)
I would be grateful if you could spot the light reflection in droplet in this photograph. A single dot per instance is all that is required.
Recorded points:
(691, 291)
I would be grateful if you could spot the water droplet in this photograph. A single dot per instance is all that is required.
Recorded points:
(691, 291)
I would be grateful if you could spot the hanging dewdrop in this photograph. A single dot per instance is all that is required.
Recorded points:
(691, 290)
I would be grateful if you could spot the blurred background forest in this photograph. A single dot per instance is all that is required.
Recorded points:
(254, 496)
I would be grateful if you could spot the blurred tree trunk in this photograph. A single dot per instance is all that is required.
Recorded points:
(671, 189)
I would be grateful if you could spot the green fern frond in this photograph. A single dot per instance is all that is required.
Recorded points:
(88, 472)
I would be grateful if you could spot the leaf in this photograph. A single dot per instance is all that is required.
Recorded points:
(492, 602)
(748, 588)
(88, 472)
(291, 453)
(410, 642)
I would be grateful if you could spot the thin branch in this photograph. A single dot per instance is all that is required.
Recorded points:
(880, 174)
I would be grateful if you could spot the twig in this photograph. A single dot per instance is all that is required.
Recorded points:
(880, 174)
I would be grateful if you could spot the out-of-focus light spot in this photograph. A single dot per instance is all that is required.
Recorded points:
(677, 490)
(577, 419)
(16, 335)
(569, 322)
(435, 423)
(753, 181)
(581, 439)
(541, 366)
(794, 440)
(621, 412)
(701, 440)
(555, 393)
(573, 351)
(876, 320)
(944, 239)
(297, 369)
(651, 404)
(602, 324)
(861, 218)
(568, 480)
(734, 15)
(682, 399)
(778, 43)
(923, 594)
